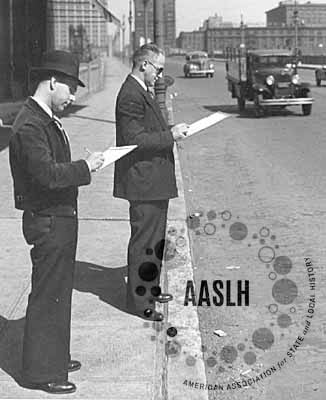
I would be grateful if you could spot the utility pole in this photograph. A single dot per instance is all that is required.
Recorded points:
(131, 44)
(146, 19)
(160, 88)
(242, 34)
(123, 28)
(295, 20)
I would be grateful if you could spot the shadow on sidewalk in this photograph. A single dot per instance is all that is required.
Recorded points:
(106, 283)
(11, 346)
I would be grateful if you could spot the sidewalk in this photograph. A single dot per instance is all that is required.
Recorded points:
(123, 357)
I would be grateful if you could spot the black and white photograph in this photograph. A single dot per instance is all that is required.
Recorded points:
(163, 201)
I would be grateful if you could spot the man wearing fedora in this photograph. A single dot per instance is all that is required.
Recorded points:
(45, 187)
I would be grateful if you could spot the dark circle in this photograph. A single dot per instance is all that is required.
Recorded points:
(282, 265)
(277, 246)
(209, 228)
(255, 236)
(211, 215)
(241, 346)
(181, 241)
(140, 290)
(193, 222)
(211, 362)
(148, 271)
(249, 358)
(228, 354)
(263, 338)
(223, 225)
(273, 308)
(191, 361)
(172, 331)
(266, 254)
(226, 215)
(156, 291)
(148, 312)
(238, 231)
(172, 231)
(264, 232)
(284, 321)
(159, 249)
(272, 276)
(262, 241)
(149, 252)
(273, 237)
(292, 310)
(284, 291)
(172, 348)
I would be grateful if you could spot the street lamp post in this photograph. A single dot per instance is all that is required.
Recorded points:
(295, 20)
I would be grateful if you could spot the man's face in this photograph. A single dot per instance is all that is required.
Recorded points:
(154, 66)
(63, 94)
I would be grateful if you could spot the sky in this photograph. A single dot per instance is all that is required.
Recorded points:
(190, 14)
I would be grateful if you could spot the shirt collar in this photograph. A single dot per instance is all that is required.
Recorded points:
(142, 83)
(44, 106)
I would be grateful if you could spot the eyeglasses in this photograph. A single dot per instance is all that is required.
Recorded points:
(158, 70)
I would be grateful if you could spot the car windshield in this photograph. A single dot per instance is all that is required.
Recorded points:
(272, 61)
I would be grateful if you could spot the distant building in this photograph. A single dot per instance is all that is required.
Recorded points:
(310, 39)
(215, 21)
(169, 30)
(309, 14)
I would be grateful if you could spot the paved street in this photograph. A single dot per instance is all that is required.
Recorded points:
(255, 190)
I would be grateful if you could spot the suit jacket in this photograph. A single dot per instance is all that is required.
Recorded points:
(148, 172)
(44, 177)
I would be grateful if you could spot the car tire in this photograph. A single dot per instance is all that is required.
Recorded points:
(306, 109)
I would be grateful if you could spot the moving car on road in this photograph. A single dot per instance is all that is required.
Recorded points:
(269, 78)
(198, 63)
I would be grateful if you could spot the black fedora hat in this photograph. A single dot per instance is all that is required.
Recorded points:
(59, 61)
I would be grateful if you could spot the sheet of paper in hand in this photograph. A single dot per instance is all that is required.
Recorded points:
(113, 154)
(206, 122)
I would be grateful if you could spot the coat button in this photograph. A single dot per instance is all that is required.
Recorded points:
(74, 212)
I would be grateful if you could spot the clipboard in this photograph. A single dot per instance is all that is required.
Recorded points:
(113, 154)
(206, 122)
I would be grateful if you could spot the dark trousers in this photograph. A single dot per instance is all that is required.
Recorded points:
(145, 253)
(46, 346)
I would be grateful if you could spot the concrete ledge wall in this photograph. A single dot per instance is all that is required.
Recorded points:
(92, 74)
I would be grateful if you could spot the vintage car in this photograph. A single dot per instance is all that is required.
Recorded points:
(198, 63)
(269, 78)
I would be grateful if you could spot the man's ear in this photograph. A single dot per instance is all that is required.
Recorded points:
(142, 66)
(53, 82)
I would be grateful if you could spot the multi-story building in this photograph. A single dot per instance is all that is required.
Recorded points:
(310, 39)
(144, 17)
(308, 14)
(30, 27)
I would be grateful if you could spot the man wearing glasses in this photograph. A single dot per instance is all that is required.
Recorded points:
(146, 178)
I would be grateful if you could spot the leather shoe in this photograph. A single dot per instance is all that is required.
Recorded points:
(153, 315)
(163, 298)
(63, 387)
(74, 365)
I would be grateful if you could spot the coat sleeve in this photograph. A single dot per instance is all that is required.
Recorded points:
(131, 125)
(37, 159)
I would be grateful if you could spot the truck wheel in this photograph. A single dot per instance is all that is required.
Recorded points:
(241, 103)
(306, 109)
(259, 111)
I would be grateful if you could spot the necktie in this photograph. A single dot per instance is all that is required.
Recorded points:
(151, 92)
(63, 132)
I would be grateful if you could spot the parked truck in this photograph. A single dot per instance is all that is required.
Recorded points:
(269, 78)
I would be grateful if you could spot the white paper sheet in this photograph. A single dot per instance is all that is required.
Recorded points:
(206, 122)
(113, 154)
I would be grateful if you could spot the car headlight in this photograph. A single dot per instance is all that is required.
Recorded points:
(193, 66)
(211, 66)
(295, 79)
(270, 80)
